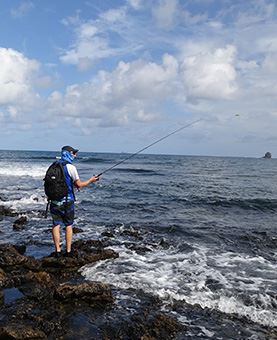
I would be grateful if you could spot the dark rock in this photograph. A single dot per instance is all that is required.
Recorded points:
(107, 234)
(87, 245)
(267, 155)
(55, 300)
(4, 211)
(20, 332)
(91, 292)
(133, 233)
(146, 326)
(1, 297)
(42, 278)
(141, 250)
(77, 230)
(79, 258)
(19, 223)
(21, 248)
(9, 256)
(3, 277)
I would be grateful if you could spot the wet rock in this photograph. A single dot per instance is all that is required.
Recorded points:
(20, 248)
(3, 277)
(141, 250)
(20, 223)
(87, 245)
(79, 258)
(55, 300)
(107, 234)
(213, 284)
(20, 332)
(39, 286)
(267, 155)
(1, 298)
(133, 233)
(146, 326)
(9, 256)
(91, 292)
(77, 230)
(5, 211)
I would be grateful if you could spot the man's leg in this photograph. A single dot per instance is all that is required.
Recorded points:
(68, 238)
(56, 237)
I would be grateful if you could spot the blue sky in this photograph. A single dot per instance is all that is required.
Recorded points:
(113, 76)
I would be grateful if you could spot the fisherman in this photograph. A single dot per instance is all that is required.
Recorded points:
(62, 210)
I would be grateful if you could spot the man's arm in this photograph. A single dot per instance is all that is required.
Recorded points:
(78, 184)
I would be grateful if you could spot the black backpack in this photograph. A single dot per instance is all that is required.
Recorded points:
(55, 186)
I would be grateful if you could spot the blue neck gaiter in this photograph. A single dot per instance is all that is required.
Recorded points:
(66, 156)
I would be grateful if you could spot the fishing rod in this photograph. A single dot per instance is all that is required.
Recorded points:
(148, 146)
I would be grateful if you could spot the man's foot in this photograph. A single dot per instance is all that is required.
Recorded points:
(69, 253)
(58, 254)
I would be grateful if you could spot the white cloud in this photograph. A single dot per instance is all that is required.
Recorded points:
(16, 77)
(210, 74)
(93, 38)
(136, 4)
(132, 92)
(88, 47)
(164, 12)
(114, 15)
(18, 98)
(23, 9)
(270, 64)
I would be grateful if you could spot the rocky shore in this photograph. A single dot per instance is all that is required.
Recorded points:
(47, 298)
(44, 297)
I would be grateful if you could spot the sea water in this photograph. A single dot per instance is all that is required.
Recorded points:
(197, 232)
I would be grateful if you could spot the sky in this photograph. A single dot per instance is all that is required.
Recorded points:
(116, 75)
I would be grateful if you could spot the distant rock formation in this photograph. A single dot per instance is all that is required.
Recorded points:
(267, 155)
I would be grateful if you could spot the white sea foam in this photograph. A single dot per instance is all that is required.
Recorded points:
(22, 170)
(33, 200)
(177, 276)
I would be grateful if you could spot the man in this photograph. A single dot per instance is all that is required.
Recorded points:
(62, 211)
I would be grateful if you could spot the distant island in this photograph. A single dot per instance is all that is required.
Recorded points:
(267, 155)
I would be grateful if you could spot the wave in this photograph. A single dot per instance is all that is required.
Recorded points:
(94, 160)
(190, 278)
(261, 204)
(23, 170)
(138, 171)
(36, 200)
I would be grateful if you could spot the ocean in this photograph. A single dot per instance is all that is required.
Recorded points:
(197, 232)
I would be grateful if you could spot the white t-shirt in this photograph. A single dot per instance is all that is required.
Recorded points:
(73, 173)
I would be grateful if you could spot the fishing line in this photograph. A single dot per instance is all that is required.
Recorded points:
(148, 146)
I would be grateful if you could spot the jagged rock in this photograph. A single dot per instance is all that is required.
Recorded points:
(9, 256)
(91, 292)
(133, 233)
(77, 230)
(87, 245)
(1, 298)
(5, 211)
(42, 278)
(267, 155)
(20, 332)
(55, 297)
(78, 259)
(3, 277)
(21, 248)
(107, 233)
(19, 223)
(146, 326)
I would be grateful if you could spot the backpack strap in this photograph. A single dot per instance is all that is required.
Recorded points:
(47, 208)
(64, 163)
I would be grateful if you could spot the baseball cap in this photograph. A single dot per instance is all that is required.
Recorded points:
(69, 148)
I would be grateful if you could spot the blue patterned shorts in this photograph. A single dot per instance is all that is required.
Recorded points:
(63, 213)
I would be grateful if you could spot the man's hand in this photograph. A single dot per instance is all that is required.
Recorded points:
(94, 179)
